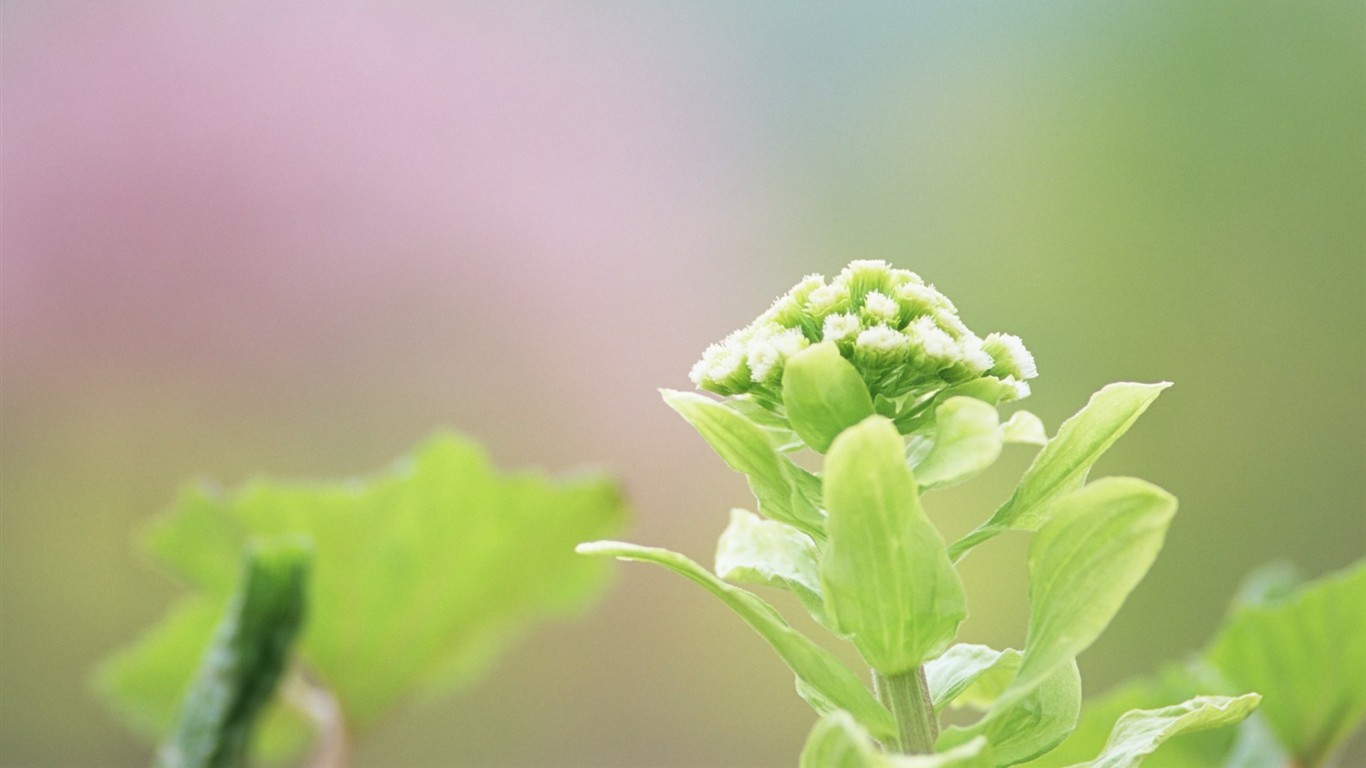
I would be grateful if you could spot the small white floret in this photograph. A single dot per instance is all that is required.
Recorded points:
(826, 299)
(770, 348)
(931, 340)
(1012, 358)
(881, 308)
(840, 326)
(974, 356)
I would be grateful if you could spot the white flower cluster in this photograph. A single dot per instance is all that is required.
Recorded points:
(902, 335)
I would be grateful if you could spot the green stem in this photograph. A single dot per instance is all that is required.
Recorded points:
(907, 695)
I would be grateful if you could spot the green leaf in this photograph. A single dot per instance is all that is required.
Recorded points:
(823, 394)
(968, 675)
(837, 741)
(1172, 683)
(887, 580)
(1140, 732)
(1030, 725)
(756, 551)
(1064, 462)
(834, 686)
(1024, 427)
(240, 670)
(418, 558)
(747, 449)
(1097, 545)
(967, 440)
(1306, 656)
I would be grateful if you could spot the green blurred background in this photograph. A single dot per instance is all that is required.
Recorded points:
(296, 239)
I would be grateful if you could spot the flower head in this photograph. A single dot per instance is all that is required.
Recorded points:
(903, 336)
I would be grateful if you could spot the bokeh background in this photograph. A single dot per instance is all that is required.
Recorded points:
(296, 238)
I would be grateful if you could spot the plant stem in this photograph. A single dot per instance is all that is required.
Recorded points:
(907, 695)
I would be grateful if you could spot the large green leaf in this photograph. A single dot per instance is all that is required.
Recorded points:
(440, 557)
(1026, 726)
(888, 581)
(1306, 655)
(823, 395)
(967, 439)
(1064, 462)
(747, 448)
(756, 551)
(1097, 545)
(837, 741)
(243, 664)
(827, 684)
(1138, 733)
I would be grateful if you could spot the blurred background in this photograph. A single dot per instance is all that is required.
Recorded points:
(295, 239)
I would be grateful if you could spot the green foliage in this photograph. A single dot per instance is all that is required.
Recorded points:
(1138, 733)
(416, 559)
(878, 339)
(242, 667)
(1064, 462)
(880, 535)
(1098, 544)
(1295, 644)
(1306, 654)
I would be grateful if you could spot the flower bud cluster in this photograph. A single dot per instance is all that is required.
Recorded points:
(903, 336)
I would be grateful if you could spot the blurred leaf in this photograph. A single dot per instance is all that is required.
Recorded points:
(1306, 656)
(1024, 427)
(967, 440)
(828, 684)
(879, 536)
(747, 449)
(837, 741)
(1027, 726)
(242, 667)
(439, 557)
(1272, 583)
(1097, 545)
(1139, 732)
(756, 551)
(1064, 462)
(970, 675)
(824, 395)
